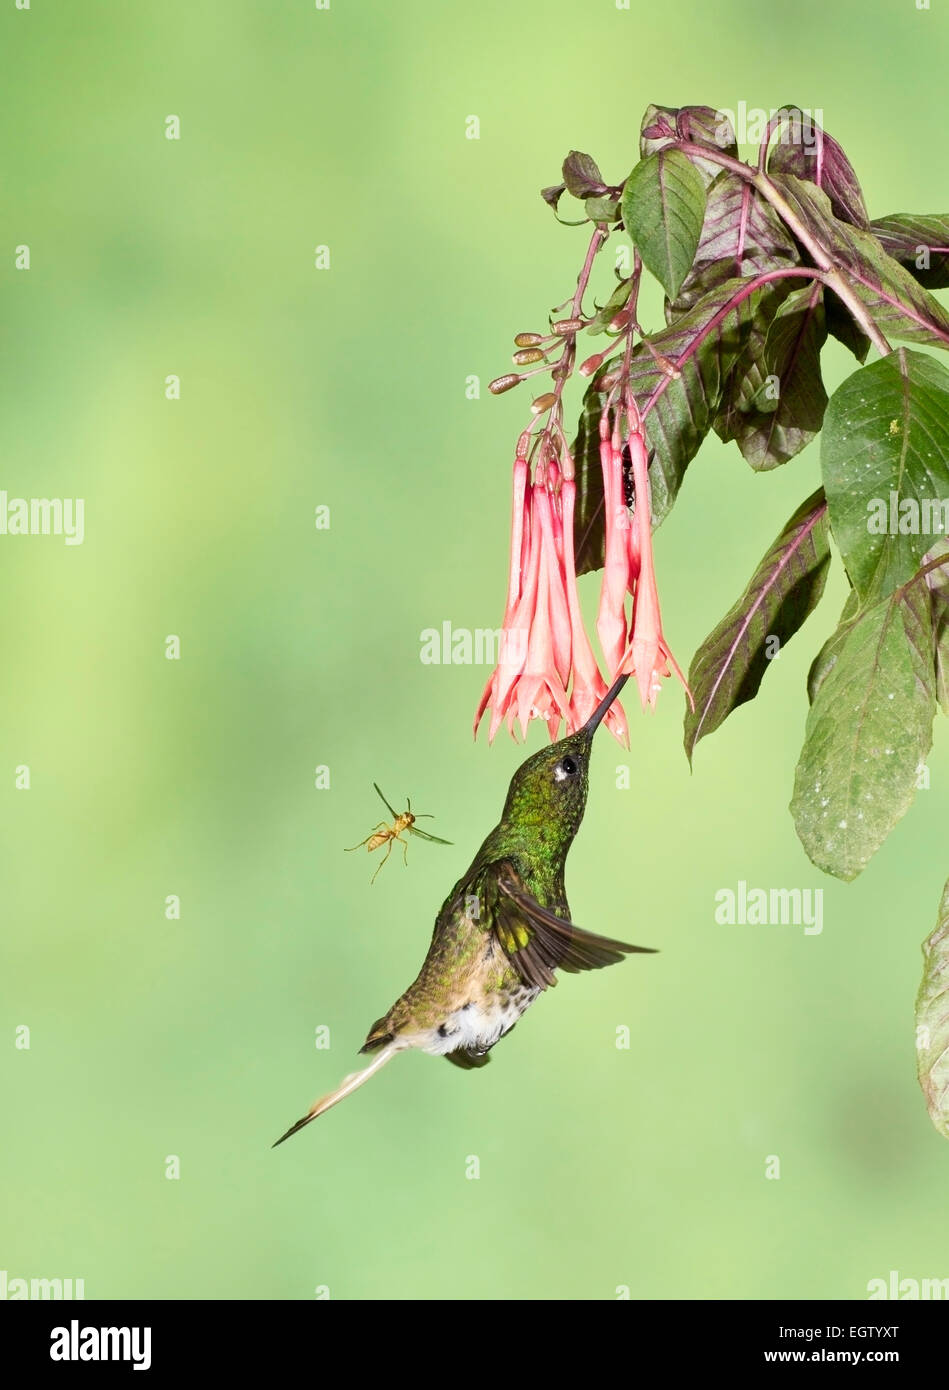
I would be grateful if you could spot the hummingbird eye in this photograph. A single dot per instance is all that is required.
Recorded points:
(567, 767)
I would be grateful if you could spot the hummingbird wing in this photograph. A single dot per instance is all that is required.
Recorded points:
(538, 942)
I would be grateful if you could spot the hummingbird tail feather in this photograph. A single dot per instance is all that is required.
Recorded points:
(345, 1088)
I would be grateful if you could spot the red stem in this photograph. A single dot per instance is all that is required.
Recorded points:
(790, 273)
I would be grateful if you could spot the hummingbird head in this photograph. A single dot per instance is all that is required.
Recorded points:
(548, 792)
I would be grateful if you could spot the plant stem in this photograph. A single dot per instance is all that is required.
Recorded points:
(565, 362)
(832, 277)
(788, 273)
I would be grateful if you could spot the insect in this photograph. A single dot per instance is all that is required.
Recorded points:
(385, 834)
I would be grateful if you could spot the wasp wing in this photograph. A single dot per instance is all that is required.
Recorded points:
(392, 813)
(424, 835)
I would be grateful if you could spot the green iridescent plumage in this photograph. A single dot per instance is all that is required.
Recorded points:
(505, 926)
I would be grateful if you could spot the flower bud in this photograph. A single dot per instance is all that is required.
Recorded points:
(500, 384)
(527, 340)
(563, 326)
(523, 444)
(543, 402)
(527, 356)
(591, 364)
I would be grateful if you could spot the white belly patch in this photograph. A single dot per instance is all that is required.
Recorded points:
(478, 1027)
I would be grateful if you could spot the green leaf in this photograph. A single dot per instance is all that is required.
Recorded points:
(885, 462)
(551, 197)
(786, 586)
(604, 208)
(663, 208)
(899, 305)
(932, 1021)
(868, 731)
(617, 300)
(823, 663)
(778, 406)
(918, 241)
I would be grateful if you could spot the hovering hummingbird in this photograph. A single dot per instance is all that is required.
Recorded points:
(503, 929)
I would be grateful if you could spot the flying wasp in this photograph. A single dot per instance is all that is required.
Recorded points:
(385, 834)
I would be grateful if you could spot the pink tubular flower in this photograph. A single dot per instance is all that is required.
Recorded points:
(611, 618)
(552, 565)
(513, 644)
(546, 666)
(589, 687)
(540, 689)
(648, 656)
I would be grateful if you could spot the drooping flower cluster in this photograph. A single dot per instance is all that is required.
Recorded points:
(546, 666)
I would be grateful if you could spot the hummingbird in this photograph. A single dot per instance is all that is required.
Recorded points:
(504, 928)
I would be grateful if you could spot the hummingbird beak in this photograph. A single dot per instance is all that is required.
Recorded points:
(590, 727)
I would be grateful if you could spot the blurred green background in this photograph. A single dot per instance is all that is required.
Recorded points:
(599, 1167)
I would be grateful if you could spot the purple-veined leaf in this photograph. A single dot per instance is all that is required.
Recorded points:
(680, 393)
(799, 146)
(588, 528)
(918, 241)
(702, 125)
(741, 235)
(899, 305)
(778, 406)
(581, 175)
(787, 584)
(677, 377)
